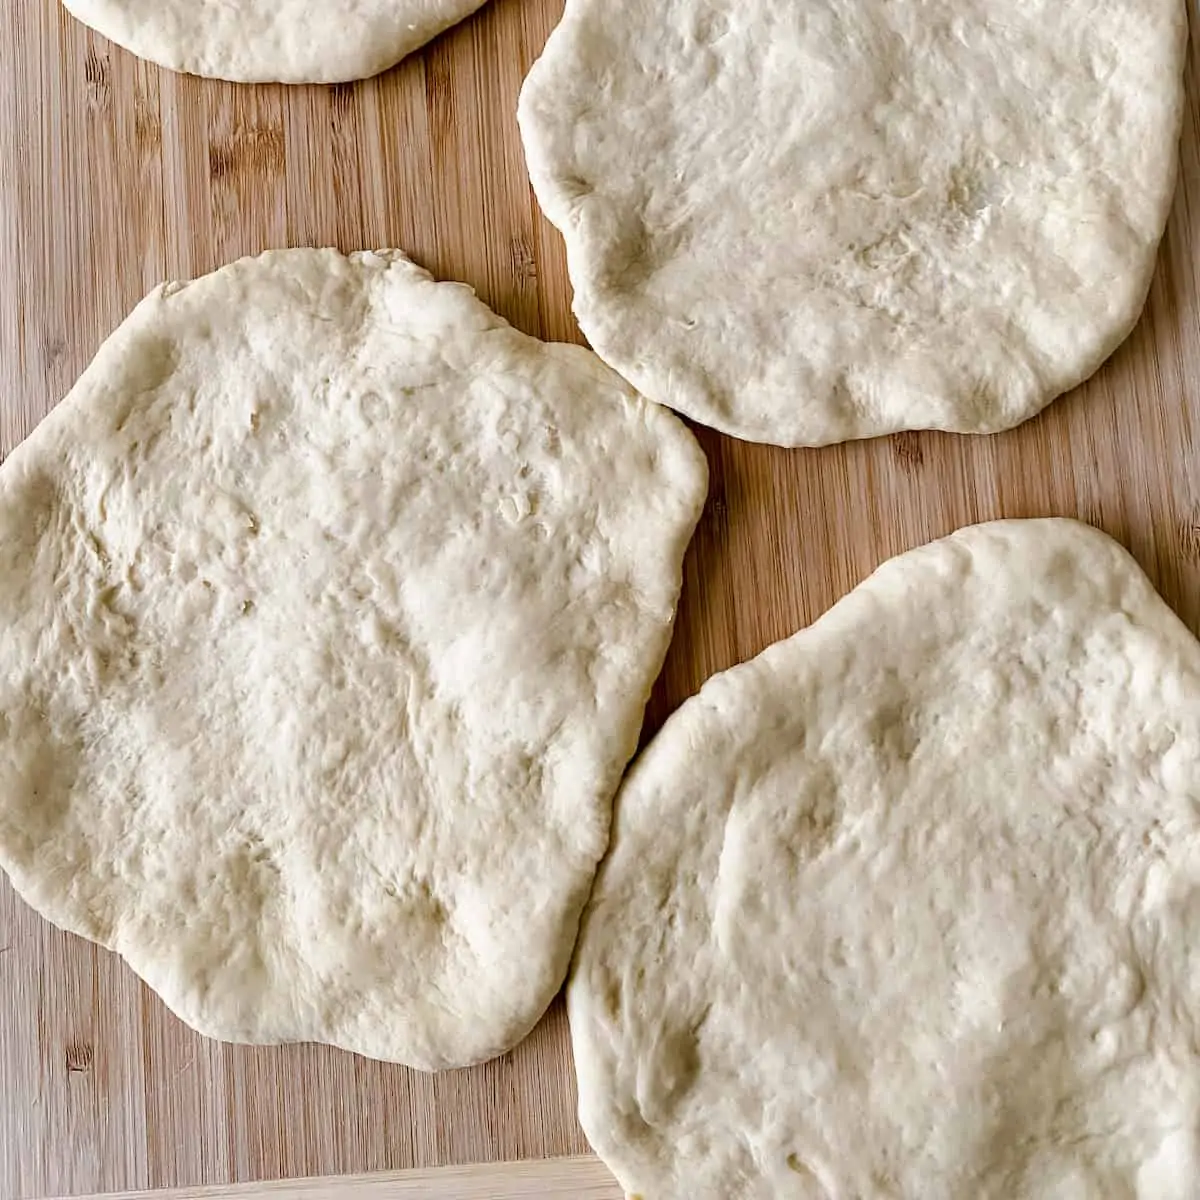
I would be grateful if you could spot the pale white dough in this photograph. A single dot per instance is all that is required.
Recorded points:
(329, 606)
(806, 222)
(907, 907)
(284, 41)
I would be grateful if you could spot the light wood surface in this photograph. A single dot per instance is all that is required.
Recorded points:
(114, 175)
(563, 1179)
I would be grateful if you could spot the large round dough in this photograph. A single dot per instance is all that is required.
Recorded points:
(280, 41)
(802, 223)
(907, 907)
(329, 606)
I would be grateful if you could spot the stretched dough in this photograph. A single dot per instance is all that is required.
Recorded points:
(329, 606)
(273, 41)
(802, 223)
(907, 906)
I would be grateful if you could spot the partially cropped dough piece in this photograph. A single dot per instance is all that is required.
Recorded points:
(907, 906)
(273, 41)
(329, 606)
(803, 223)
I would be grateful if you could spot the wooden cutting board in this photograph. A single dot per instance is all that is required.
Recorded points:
(560, 1179)
(115, 175)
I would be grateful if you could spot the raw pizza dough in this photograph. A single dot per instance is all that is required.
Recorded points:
(802, 223)
(329, 605)
(907, 906)
(288, 41)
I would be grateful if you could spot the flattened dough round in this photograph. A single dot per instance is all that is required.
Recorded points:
(273, 41)
(329, 606)
(803, 223)
(907, 906)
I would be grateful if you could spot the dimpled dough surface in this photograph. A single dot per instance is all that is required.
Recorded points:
(802, 223)
(907, 906)
(264, 41)
(329, 605)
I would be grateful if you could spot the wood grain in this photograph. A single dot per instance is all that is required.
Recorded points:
(114, 175)
(562, 1179)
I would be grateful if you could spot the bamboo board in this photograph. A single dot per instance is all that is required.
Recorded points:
(561, 1179)
(115, 175)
